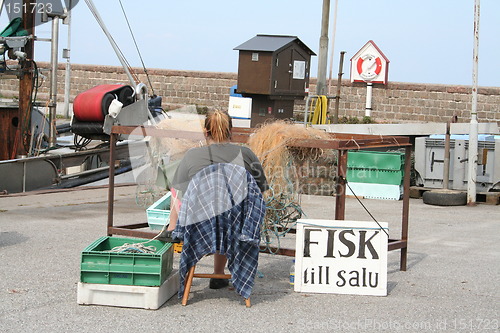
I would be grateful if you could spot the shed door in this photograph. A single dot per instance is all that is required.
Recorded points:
(291, 70)
(283, 71)
(300, 72)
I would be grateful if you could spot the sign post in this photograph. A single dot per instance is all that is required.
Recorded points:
(473, 130)
(341, 257)
(369, 65)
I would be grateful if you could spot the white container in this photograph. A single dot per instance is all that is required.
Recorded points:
(240, 111)
(240, 107)
(128, 296)
(245, 123)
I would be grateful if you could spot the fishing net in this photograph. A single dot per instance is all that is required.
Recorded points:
(271, 145)
(162, 154)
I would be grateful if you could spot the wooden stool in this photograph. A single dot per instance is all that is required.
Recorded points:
(189, 281)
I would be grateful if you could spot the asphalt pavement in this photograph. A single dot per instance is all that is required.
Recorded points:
(452, 281)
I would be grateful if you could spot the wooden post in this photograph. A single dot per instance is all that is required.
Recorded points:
(26, 83)
(340, 185)
(406, 208)
(339, 85)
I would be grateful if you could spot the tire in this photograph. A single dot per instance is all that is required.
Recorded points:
(444, 198)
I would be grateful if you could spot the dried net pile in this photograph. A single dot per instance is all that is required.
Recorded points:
(270, 144)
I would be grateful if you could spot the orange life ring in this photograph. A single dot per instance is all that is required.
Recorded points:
(378, 61)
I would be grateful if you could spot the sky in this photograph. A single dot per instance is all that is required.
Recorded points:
(426, 41)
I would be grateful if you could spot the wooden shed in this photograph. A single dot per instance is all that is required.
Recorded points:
(274, 65)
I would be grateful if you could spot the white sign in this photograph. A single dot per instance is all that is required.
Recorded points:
(341, 257)
(369, 64)
(299, 69)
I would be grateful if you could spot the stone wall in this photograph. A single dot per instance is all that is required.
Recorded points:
(395, 103)
(409, 102)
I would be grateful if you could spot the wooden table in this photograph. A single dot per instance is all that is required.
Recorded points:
(340, 142)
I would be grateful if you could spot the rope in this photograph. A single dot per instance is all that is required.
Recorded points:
(366, 209)
(282, 213)
(320, 111)
(133, 248)
(137, 47)
(94, 12)
(139, 247)
(355, 142)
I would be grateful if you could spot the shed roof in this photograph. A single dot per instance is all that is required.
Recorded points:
(270, 43)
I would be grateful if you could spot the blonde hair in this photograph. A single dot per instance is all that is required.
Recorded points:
(218, 125)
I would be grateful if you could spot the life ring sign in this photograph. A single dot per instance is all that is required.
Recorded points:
(369, 64)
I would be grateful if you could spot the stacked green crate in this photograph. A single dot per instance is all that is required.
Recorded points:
(100, 265)
(375, 167)
(374, 174)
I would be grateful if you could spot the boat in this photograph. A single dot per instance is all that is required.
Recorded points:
(37, 154)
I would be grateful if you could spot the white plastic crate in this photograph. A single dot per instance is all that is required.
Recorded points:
(159, 213)
(375, 191)
(128, 296)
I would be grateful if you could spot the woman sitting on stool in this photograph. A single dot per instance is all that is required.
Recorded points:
(219, 150)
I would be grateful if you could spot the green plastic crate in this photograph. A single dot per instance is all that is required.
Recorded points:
(375, 160)
(98, 265)
(375, 167)
(159, 212)
(374, 176)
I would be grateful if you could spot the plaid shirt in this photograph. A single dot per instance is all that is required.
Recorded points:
(222, 210)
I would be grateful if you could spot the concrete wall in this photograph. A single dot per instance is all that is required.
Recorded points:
(395, 103)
